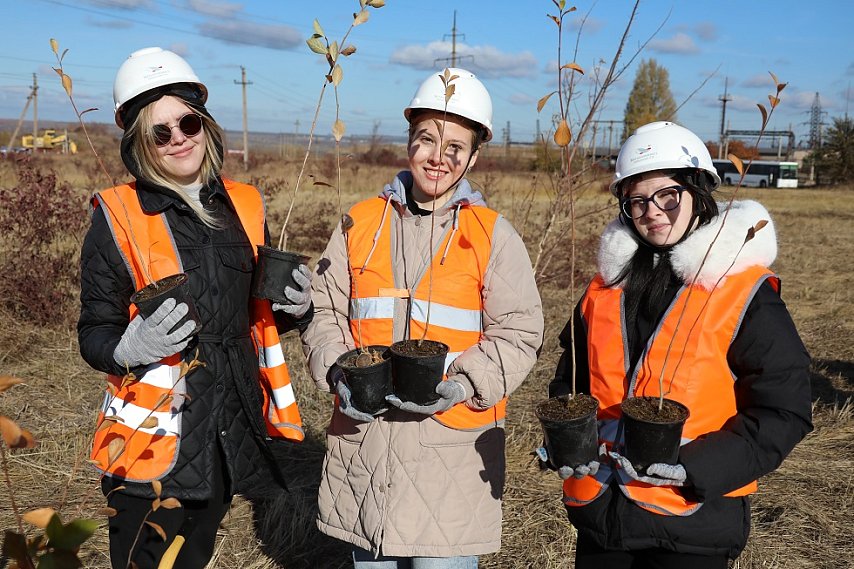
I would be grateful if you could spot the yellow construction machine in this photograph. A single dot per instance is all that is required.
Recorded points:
(50, 141)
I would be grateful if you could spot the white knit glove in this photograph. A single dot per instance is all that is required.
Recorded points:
(662, 474)
(147, 340)
(300, 300)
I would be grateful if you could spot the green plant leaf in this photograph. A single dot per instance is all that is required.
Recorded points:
(317, 29)
(59, 560)
(316, 45)
(542, 102)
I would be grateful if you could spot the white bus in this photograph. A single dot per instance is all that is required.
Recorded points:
(761, 174)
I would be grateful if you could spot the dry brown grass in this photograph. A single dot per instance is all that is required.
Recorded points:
(801, 513)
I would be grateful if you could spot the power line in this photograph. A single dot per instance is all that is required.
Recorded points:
(454, 57)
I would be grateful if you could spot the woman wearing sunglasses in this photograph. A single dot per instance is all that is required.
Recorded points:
(187, 415)
(735, 360)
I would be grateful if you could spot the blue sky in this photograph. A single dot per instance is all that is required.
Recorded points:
(512, 45)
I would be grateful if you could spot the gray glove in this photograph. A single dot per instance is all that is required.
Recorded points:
(662, 474)
(345, 405)
(450, 393)
(300, 300)
(580, 471)
(147, 340)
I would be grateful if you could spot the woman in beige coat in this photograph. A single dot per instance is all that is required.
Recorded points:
(407, 487)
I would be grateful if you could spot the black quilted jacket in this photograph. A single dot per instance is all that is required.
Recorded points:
(225, 399)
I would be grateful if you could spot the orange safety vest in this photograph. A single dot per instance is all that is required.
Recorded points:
(151, 450)
(703, 380)
(456, 305)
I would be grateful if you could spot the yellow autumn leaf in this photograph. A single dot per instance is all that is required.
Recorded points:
(562, 136)
(764, 113)
(66, 84)
(149, 423)
(349, 50)
(376, 3)
(155, 505)
(736, 161)
(107, 511)
(54, 45)
(360, 17)
(39, 517)
(158, 529)
(115, 449)
(7, 381)
(337, 75)
(542, 102)
(10, 430)
(338, 130)
(573, 66)
(170, 503)
(157, 486)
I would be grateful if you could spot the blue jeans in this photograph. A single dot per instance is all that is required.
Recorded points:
(365, 560)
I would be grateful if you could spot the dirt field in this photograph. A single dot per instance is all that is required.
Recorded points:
(801, 515)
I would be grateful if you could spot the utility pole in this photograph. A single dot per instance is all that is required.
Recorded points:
(35, 111)
(20, 121)
(610, 127)
(243, 82)
(723, 101)
(454, 35)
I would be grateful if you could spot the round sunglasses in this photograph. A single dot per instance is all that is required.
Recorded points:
(190, 125)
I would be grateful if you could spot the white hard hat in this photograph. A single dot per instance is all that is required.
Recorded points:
(662, 145)
(148, 69)
(470, 99)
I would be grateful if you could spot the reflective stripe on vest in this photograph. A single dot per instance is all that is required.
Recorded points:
(456, 302)
(151, 450)
(709, 325)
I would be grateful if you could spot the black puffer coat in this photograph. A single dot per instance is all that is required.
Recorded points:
(225, 398)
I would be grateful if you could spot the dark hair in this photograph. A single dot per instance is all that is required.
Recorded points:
(647, 280)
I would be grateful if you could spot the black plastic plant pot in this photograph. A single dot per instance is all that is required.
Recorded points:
(651, 435)
(274, 271)
(149, 298)
(570, 429)
(367, 372)
(417, 367)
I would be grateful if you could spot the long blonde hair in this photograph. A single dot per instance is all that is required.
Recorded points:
(144, 152)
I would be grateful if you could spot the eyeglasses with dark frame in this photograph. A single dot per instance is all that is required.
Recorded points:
(665, 199)
(190, 124)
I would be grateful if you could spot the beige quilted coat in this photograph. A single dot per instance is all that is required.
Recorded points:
(404, 484)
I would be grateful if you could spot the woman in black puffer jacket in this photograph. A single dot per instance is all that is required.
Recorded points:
(208, 434)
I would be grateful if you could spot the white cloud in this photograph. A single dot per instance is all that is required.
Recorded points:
(801, 100)
(706, 31)
(179, 48)
(485, 61)
(591, 25)
(245, 33)
(741, 103)
(109, 24)
(121, 4)
(759, 80)
(215, 9)
(680, 43)
(522, 99)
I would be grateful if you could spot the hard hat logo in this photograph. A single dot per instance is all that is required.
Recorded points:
(661, 145)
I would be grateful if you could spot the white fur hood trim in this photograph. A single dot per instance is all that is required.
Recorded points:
(618, 245)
